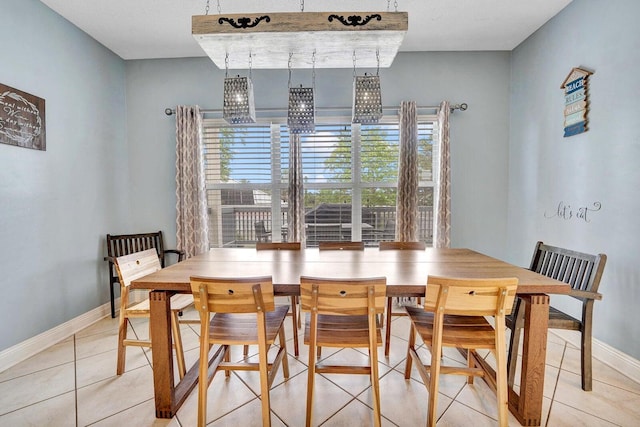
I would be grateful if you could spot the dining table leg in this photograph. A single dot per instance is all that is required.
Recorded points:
(169, 396)
(162, 353)
(527, 406)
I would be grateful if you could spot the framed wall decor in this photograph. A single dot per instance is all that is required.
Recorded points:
(22, 119)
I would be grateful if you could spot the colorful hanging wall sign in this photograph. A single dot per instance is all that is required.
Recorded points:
(576, 101)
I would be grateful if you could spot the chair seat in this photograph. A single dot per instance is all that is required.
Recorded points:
(179, 302)
(342, 331)
(557, 320)
(473, 332)
(560, 320)
(141, 308)
(240, 328)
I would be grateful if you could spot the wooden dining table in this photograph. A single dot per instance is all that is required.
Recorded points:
(406, 272)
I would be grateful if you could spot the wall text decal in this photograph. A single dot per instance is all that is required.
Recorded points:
(21, 119)
(576, 101)
(566, 212)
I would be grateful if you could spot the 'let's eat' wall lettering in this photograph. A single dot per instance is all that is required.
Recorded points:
(567, 212)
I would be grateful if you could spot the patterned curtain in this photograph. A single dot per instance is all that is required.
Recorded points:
(407, 199)
(295, 220)
(191, 207)
(443, 202)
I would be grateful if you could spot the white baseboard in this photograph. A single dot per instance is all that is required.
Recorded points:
(606, 354)
(24, 350)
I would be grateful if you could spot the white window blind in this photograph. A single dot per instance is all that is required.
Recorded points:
(350, 181)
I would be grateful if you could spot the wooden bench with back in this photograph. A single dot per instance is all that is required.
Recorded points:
(126, 244)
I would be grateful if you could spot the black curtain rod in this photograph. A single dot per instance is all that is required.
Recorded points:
(461, 107)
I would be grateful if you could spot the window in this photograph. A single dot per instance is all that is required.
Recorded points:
(350, 181)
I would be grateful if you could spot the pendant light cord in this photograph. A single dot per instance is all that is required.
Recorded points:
(206, 9)
(313, 73)
(289, 66)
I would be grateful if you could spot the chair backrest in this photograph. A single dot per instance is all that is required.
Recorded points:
(389, 231)
(339, 246)
(287, 246)
(580, 270)
(470, 297)
(136, 265)
(233, 295)
(415, 246)
(260, 228)
(343, 296)
(125, 244)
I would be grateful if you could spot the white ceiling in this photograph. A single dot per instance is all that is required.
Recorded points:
(140, 29)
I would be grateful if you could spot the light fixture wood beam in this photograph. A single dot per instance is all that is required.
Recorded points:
(271, 37)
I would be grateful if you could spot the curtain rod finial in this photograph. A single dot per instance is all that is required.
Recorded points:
(461, 107)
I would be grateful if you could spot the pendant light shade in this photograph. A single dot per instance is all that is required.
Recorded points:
(238, 106)
(367, 99)
(301, 113)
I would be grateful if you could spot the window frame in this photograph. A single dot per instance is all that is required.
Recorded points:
(277, 185)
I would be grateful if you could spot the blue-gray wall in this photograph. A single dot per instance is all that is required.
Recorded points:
(600, 165)
(479, 135)
(56, 205)
(109, 164)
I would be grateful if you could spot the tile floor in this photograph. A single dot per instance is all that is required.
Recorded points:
(73, 383)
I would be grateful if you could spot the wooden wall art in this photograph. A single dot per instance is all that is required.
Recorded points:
(576, 101)
(22, 119)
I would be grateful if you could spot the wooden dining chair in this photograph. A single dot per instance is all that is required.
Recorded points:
(338, 246)
(453, 316)
(341, 246)
(388, 233)
(583, 272)
(262, 235)
(400, 246)
(244, 314)
(278, 246)
(131, 267)
(343, 314)
(396, 246)
(295, 306)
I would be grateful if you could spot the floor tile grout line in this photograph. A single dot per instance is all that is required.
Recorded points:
(238, 407)
(133, 329)
(553, 398)
(34, 372)
(464, 404)
(624, 389)
(38, 401)
(555, 387)
(119, 412)
(324, 423)
(455, 398)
